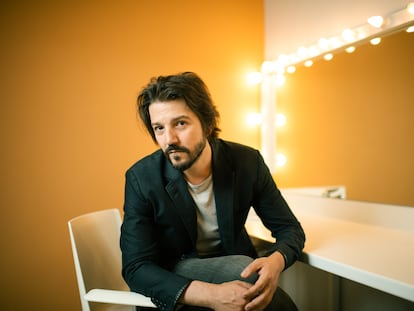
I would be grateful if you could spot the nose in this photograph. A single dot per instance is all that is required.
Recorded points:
(171, 137)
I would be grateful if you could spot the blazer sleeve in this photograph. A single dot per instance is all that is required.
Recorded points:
(141, 266)
(277, 216)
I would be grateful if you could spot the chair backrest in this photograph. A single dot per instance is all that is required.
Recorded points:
(96, 252)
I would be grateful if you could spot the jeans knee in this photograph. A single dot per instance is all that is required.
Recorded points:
(239, 263)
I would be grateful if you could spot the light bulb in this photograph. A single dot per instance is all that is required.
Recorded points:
(376, 21)
(328, 56)
(302, 52)
(323, 43)
(375, 41)
(308, 63)
(280, 119)
(280, 159)
(254, 119)
(348, 35)
(350, 49)
(291, 69)
(410, 29)
(254, 78)
(410, 8)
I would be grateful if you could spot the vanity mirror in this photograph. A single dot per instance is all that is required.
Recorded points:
(350, 118)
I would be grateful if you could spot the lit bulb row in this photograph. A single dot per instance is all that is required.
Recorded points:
(255, 119)
(325, 47)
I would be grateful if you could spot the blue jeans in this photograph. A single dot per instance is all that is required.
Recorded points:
(224, 269)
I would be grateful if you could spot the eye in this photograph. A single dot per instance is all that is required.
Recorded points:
(157, 128)
(181, 123)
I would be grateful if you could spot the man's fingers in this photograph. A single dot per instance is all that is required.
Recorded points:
(244, 284)
(257, 303)
(250, 269)
(253, 292)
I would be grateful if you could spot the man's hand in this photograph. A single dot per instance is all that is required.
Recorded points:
(261, 293)
(231, 296)
(228, 296)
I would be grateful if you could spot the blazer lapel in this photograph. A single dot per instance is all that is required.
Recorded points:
(184, 204)
(223, 183)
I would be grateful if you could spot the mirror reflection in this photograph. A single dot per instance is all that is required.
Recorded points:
(350, 121)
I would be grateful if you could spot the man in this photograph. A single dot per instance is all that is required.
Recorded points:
(183, 239)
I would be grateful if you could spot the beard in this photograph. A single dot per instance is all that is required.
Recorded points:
(176, 159)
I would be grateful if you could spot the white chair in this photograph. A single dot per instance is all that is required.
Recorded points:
(97, 257)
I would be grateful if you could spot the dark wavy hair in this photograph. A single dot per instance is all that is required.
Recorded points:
(187, 86)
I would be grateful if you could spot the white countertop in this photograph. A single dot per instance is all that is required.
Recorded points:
(372, 244)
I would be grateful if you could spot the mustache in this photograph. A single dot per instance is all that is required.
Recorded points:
(173, 147)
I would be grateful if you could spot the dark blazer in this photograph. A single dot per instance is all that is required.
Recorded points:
(160, 225)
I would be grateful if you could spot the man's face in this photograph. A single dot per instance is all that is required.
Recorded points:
(178, 132)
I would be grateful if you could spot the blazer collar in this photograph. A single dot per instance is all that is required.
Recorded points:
(176, 188)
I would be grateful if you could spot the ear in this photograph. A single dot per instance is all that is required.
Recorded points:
(208, 132)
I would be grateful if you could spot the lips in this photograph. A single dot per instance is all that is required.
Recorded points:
(175, 151)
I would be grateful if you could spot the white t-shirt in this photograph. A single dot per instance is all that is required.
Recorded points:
(208, 237)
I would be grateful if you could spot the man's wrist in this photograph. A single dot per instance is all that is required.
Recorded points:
(281, 259)
(284, 256)
(199, 293)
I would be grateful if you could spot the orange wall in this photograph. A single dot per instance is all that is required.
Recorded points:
(70, 74)
(350, 122)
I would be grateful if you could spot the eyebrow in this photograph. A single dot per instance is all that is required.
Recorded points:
(174, 119)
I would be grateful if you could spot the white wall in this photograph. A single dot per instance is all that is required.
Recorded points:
(290, 24)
